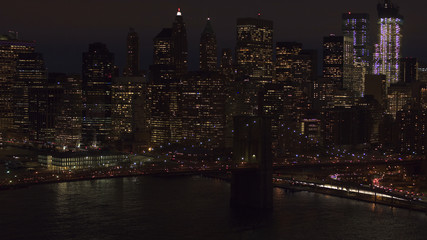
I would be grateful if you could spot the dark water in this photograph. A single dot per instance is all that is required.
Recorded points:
(190, 208)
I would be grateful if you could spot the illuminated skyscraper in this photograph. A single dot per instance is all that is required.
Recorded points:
(254, 49)
(208, 49)
(179, 45)
(125, 93)
(333, 58)
(162, 91)
(338, 58)
(355, 27)
(286, 52)
(31, 79)
(412, 129)
(10, 48)
(203, 109)
(398, 95)
(132, 61)
(387, 51)
(163, 68)
(162, 54)
(97, 75)
(165, 125)
(68, 122)
(293, 64)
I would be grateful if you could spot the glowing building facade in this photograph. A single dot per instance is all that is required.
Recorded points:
(286, 54)
(355, 28)
(398, 95)
(68, 122)
(10, 48)
(293, 64)
(333, 58)
(125, 93)
(203, 106)
(387, 51)
(254, 49)
(97, 75)
(31, 79)
(169, 66)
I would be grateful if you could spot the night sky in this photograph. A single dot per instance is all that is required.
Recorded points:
(64, 28)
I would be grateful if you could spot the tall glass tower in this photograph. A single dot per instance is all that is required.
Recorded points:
(355, 28)
(387, 51)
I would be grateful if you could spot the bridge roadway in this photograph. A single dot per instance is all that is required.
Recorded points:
(410, 162)
(357, 192)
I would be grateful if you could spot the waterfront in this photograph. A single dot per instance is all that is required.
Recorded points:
(191, 208)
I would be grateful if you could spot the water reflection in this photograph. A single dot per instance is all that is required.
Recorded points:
(191, 208)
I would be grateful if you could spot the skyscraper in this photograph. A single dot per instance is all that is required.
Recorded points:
(162, 54)
(408, 70)
(411, 123)
(97, 72)
(286, 52)
(208, 48)
(31, 79)
(333, 58)
(125, 92)
(356, 27)
(254, 49)
(68, 122)
(203, 109)
(398, 95)
(10, 48)
(387, 51)
(293, 64)
(163, 68)
(132, 60)
(179, 45)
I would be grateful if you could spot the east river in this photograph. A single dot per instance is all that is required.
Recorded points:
(191, 208)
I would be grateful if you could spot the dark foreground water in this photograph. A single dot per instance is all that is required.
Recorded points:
(190, 208)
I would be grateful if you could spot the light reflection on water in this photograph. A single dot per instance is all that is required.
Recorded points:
(191, 208)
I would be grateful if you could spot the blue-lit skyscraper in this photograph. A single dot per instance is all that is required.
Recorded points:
(355, 28)
(387, 51)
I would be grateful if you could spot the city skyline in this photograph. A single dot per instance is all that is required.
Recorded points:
(62, 50)
(233, 118)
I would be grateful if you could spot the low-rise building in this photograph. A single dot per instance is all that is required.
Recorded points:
(81, 160)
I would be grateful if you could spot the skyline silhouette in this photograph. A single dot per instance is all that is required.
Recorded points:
(63, 35)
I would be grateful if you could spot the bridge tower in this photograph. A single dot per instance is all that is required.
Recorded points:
(251, 182)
